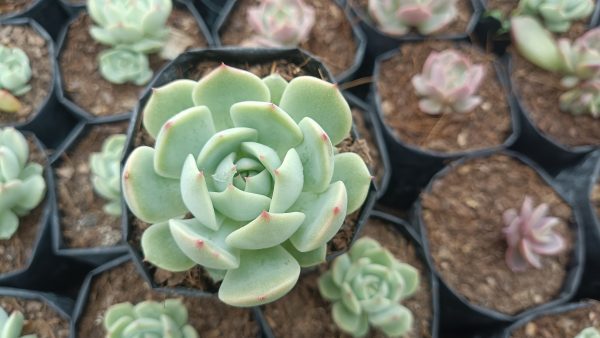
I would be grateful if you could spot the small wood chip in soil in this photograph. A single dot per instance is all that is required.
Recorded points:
(486, 126)
(462, 215)
(40, 318)
(209, 316)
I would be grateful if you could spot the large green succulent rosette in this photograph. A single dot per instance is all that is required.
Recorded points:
(244, 179)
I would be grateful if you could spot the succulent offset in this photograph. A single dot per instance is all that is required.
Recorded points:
(578, 62)
(106, 172)
(21, 183)
(11, 326)
(397, 17)
(280, 23)
(449, 83)
(119, 66)
(557, 15)
(167, 319)
(367, 285)
(529, 235)
(15, 70)
(253, 162)
(589, 332)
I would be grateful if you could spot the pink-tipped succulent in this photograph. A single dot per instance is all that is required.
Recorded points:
(396, 17)
(529, 235)
(448, 83)
(280, 23)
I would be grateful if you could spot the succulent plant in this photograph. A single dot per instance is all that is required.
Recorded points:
(21, 183)
(530, 234)
(106, 172)
(584, 99)
(15, 70)
(11, 326)
(448, 83)
(262, 181)
(138, 25)
(367, 285)
(557, 15)
(119, 65)
(168, 319)
(9, 103)
(280, 23)
(396, 17)
(589, 332)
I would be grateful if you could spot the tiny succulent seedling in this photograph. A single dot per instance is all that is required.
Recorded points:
(253, 161)
(118, 65)
(448, 83)
(15, 70)
(11, 326)
(557, 15)
(397, 17)
(583, 99)
(106, 173)
(366, 286)
(22, 186)
(280, 23)
(168, 319)
(590, 332)
(530, 234)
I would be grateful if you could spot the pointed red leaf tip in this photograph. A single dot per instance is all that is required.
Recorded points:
(199, 244)
(153, 89)
(223, 65)
(325, 137)
(276, 172)
(265, 215)
(126, 175)
(262, 298)
(273, 106)
(336, 210)
(215, 254)
(200, 174)
(168, 125)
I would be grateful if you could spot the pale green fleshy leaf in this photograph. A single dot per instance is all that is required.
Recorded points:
(264, 154)
(327, 287)
(316, 154)
(238, 204)
(288, 183)
(352, 170)
(535, 43)
(394, 321)
(195, 195)
(309, 258)
(267, 230)
(161, 250)
(260, 183)
(222, 144)
(276, 85)
(166, 102)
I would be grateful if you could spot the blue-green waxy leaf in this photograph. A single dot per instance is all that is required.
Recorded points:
(9, 222)
(260, 183)
(276, 86)
(204, 246)
(316, 154)
(10, 167)
(329, 290)
(309, 258)
(536, 44)
(325, 215)
(225, 86)
(239, 205)
(265, 155)
(394, 321)
(116, 312)
(289, 181)
(225, 172)
(352, 170)
(276, 129)
(265, 231)
(349, 299)
(347, 320)
(307, 96)
(263, 276)
(182, 135)
(410, 275)
(222, 144)
(194, 192)
(160, 249)
(13, 326)
(15, 141)
(151, 198)
(166, 102)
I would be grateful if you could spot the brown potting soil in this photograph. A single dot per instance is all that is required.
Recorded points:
(197, 277)
(40, 318)
(42, 72)
(486, 126)
(539, 92)
(595, 197)
(462, 215)
(458, 26)
(566, 324)
(82, 81)
(14, 6)
(83, 222)
(331, 38)
(16, 252)
(368, 136)
(315, 319)
(506, 7)
(210, 317)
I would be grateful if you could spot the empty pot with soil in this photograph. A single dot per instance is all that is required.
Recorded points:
(111, 284)
(455, 102)
(87, 222)
(505, 217)
(103, 74)
(321, 27)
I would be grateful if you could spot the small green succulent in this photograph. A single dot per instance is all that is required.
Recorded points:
(590, 332)
(118, 65)
(11, 326)
(396, 17)
(253, 161)
(22, 186)
(15, 70)
(557, 15)
(106, 172)
(168, 319)
(366, 285)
